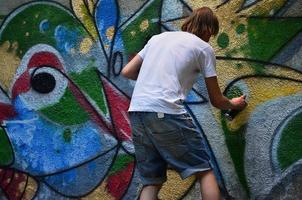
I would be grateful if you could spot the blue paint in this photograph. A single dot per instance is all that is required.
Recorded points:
(106, 16)
(194, 97)
(66, 39)
(44, 26)
(39, 145)
(88, 175)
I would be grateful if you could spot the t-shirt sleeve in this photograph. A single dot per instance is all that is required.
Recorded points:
(208, 60)
(143, 52)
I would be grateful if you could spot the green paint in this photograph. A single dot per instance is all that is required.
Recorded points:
(240, 28)
(235, 141)
(27, 23)
(223, 40)
(268, 37)
(233, 92)
(290, 148)
(121, 162)
(89, 82)
(6, 152)
(67, 111)
(67, 135)
(133, 44)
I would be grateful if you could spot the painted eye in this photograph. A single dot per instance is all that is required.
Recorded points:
(43, 82)
(47, 85)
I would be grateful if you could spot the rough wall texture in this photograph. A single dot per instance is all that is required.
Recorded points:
(65, 132)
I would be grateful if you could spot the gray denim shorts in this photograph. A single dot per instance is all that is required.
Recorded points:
(163, 140)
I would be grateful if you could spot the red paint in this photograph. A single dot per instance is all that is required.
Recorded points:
(6, 112)
(39, 59)
(12, 183)
(21, 85)
(119, 182)
(95, 116)
(45, 59)
(118, 104)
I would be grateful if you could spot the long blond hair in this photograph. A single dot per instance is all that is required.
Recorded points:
(202, 21)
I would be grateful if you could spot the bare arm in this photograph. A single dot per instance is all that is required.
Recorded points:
(218, 100)
(131, 70)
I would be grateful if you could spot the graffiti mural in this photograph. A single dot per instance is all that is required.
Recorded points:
(64, 127)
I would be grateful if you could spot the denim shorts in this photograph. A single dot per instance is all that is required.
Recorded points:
(166, 140)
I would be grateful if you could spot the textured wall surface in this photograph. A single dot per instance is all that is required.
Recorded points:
(64, 128)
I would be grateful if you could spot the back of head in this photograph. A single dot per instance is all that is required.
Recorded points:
(202, 23)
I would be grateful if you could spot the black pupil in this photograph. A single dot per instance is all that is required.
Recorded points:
(43, 82)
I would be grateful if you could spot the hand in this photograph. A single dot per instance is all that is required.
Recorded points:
(239, 102)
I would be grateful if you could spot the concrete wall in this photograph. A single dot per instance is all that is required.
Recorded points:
(65, 132)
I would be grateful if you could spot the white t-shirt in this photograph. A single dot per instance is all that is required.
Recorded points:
(171, 64)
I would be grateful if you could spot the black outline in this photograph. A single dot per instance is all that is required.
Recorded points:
(223, 186)
(242, 7)
(292, 114)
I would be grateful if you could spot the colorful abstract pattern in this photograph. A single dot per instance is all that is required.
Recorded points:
(64, 127)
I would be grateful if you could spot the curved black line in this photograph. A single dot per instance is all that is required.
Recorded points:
(258, 76)
(76, 86)
(186, 5)
(131, 178)
(256, 61)
(225, 191)
(283, 9)
(112, 42)
(87, 7)
(136, 12)
(4, 92)
(78, 165)
(174, 19)
(99, 34)
(110, 112)
(79, 21)
(222, 4)
(113, 64)
(24, 190)
(101, 75)
(242, 7)
(165, 27)
(290, 115)
(278, 18)
(12, 149)
(91, 191)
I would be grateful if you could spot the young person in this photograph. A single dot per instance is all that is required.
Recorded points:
(163, 132)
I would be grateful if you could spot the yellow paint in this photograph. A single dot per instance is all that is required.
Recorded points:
(84, 15)
(263, 90)
(30, 189)
(110, 32)
(86, 45)
(90, 6)
(175, 187)
(144, 25)
(229, 19)
(99, 193)
(9, 63)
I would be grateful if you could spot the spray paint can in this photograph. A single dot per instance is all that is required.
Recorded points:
(231, 114)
